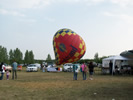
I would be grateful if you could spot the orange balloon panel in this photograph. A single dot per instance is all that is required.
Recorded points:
(68, 46)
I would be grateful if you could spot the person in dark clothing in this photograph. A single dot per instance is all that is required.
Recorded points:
(1, 67)
(91, 70)
(2, 70)
(110, 67)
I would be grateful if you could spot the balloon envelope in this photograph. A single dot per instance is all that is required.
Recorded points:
(68, 46)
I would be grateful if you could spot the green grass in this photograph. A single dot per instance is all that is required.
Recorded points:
(60, 86)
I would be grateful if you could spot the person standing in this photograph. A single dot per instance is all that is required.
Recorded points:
(7, 74)
(2, 69)
(43, 69)
(84, 70)
(75, 71)
(91, 70)
(110, 67)
(41, 66)
(14, 70)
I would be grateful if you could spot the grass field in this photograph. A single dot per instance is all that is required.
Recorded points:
(60, 86)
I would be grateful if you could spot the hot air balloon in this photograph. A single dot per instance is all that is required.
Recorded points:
(128, 54)
(68, 46)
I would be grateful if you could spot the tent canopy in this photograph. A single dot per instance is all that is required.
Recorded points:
(115, 60)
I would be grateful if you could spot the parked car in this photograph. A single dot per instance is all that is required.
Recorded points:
(19, 67)
(38, 65)
(8, 67)
(52, 69)
(68, 67)
(32, 68)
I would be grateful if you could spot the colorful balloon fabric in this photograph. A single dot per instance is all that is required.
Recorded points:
(68, 46)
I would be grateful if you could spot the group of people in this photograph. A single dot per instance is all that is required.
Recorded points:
(84, 70)
(4, 70)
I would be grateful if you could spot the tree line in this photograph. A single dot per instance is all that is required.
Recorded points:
(16, 55)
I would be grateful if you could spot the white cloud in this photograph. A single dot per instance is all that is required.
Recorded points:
(13, 13)
(122, 2)
(3, 11)
(49, 19)
(108, 14)
(20, 4)
(124, 23)
(34, 3)
(42, 3)
(28, 20)
(126, 18)
(96, 1)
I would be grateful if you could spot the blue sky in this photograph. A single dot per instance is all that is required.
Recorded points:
(106, 26)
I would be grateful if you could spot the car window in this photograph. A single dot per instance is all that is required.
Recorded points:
(68, 65)
(32, 66)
